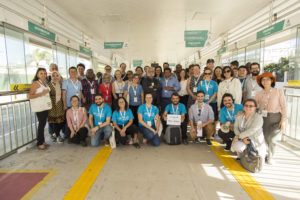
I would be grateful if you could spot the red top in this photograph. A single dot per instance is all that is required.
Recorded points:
(106, 92)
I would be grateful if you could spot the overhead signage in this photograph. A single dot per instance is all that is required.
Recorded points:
(85, 50)
(194, 43)
(113, 45)
(195, 35)
(223, 50)
(38, 30)
(137, 63)
(270, 30)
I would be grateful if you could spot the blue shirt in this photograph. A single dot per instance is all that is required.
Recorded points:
(72, 89)
(178, 110)
(171, 82)
(100, 114)
(209, 88)
(230, 116)
(122, 118)
(134, 91)
(148, 115)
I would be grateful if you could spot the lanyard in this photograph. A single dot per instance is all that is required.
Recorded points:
(99, 112)
(75, 114)
(196, 82)
(207, 86)
(123, 117)
(166, 82)
(75, 85)
(230, 116)
(120, 87)
(106, 89)
(91, 84)
(149, 113)
(268, 98)
(243, 122)
(174, 109)
(134, 90)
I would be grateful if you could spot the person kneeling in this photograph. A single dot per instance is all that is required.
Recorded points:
(249, 134)
(147, 114)
(201, 119)
(99, 120)
(122, 119)
(76, 132)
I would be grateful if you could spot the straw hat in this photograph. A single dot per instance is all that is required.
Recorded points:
(266, 74)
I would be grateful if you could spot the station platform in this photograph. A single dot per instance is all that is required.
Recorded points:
(194, 171)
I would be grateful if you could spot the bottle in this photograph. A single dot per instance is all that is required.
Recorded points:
(199, 129)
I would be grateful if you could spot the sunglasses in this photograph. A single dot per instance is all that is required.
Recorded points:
(227, 71)
(199, 112)
(207, 73)
(249, 106)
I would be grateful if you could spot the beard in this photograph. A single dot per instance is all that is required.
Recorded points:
(176, 103)
(99, 104)
(255, 73)
(229, 105)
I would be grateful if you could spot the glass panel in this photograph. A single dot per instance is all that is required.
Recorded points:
(296, 74)
(15, 56)
(72, 58)
(4, 78)
(1, 133)
(61, 59)
(86, 62)
(6, 128)
(241, 56)
(253, 53)
(29, 122)
(18, 125)
(12, 126)
(23, 122)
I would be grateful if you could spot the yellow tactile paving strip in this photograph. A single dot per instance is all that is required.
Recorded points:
(84, 183)
(250, 185)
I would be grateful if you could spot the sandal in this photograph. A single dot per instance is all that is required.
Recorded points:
(136, 145)
(42, 147)
(46, 144)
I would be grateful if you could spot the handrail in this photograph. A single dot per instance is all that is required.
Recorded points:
(7, 93)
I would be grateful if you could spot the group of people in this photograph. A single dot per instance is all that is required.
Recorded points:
(251, 111)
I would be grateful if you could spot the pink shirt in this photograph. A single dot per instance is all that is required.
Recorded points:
(74, 121)
(273, 101)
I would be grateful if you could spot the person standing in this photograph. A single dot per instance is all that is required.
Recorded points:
(56, 116)
(272, 106)
(251, 85)
(153, 86)
(158, 73)
(217, 76)
(183, 94)
(89, 88)
(81, 69)
(124, 75)
(108, 71)
(106, 89)
(40, 88)
(229, 85)
(117, 88)
(192, 85)
(210, 89)
(170, 85)
(72, 87)
(136, 96)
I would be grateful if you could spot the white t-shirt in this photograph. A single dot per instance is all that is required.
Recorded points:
(183, 91)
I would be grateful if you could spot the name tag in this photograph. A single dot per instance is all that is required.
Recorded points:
(253, 93)
(93, 91)
(135, 100)
(149, 123)
(106, 98)
(152, 83)
(99, 123)
(120, 95)
(207, 97)
(264, 113)
(195, 89)
(174, 120)
(166, 90)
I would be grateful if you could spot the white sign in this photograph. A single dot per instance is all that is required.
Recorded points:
(174, 120)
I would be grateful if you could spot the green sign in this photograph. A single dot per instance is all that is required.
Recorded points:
(270, 30)
(137, 63)
(196, 35)
(38, 30)
(85, 50)
(172, 64)
(195, 43)
(223, 50)
(113, 45)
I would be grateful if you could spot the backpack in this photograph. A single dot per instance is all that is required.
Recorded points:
(173, 135)
(252, 161)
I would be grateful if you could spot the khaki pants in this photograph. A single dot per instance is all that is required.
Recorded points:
(208, 131)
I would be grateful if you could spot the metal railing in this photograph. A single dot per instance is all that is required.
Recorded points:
(292, 131)
(18, 125)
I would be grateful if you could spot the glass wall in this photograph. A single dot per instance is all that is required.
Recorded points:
(253, 52)
(4, 79)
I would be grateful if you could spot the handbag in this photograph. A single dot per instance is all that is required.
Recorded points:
(251, 161)
(41, 103)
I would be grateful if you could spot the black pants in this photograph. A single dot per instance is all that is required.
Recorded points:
(115, 101)
(164, 103)
(226, 137)
(81, 135)
(134, 110)
(42, 118)
(214, 107)
(131, 130)
(56, 128)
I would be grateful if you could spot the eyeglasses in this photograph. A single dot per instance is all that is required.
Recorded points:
(249, 106)
(227, 71)
(207, 73)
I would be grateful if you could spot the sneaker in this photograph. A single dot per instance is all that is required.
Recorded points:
(197, 140)
(59, 140)
(53, 137)
(185, 142)
(208, 142)
(227, 148)
(106, 143)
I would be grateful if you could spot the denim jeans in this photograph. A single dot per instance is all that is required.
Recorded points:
(107, 133)
(149, 135)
